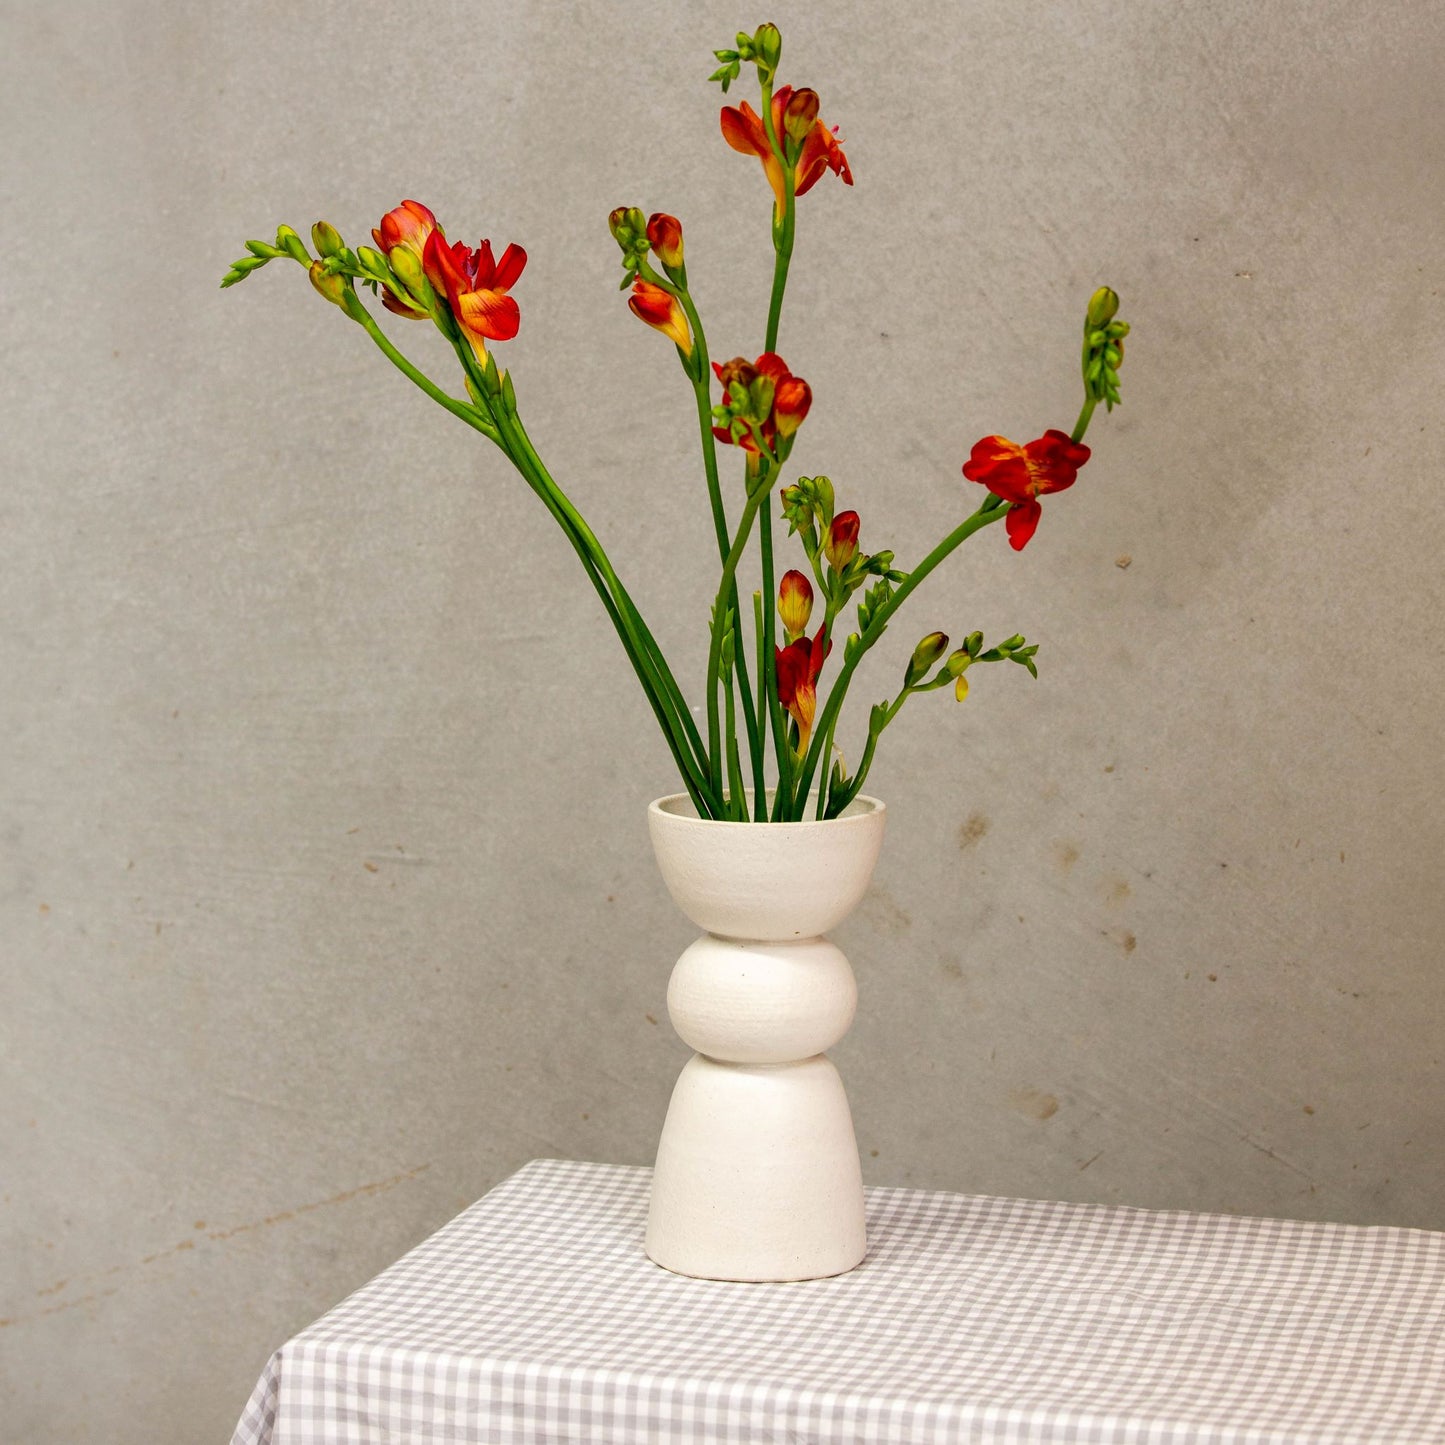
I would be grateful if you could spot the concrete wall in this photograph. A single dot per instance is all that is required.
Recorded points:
(325, 893)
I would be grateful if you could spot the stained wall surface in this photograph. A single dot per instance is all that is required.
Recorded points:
(325, 892)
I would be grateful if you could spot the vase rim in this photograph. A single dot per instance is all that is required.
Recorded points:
(680, 806)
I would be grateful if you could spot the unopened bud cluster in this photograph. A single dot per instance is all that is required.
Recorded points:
(763, 48)
(1103, 347)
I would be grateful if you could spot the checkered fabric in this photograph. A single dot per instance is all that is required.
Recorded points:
(535, 1317)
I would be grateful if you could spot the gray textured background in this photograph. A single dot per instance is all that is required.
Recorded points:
(327, 899)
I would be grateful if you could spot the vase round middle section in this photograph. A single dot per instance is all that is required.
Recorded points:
(761, 1003)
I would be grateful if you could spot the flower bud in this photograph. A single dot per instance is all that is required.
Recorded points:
(326, 238)
(660, 310)
(960, 687)
(627, 226)
(841, 546)
(737, 372)
(333, 288)
(958, 662)
(768, 45)
(928, 651)
(373, 262)
(293, 245)
(973, 643)
(407, 227)
(797, 507)
(1103, 305)
(760, 397)
(795, 604)
(665, 234)
(800, 115)
(823, 493)
(408, 269)
(791, 401)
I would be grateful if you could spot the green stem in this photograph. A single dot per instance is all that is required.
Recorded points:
(512, 427)
(855, 784)
(760, 813)
(652, 672)
(1082, 425)
(691, 775)
(782, 749)
(702, 390)
(727, 587)
(701, 384)
(737, 800)
(782, 234)
(990, 511)
(463, 409)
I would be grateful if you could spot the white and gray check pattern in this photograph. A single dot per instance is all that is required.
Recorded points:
(534, 1318)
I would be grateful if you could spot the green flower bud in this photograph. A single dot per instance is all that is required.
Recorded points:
(974, 643)
(373, 262)
(629, 227)
(333, 288)
(293, 245)
(1009, 644)
(958, 662)
(326, 238)
(768, 46)
(1103, 305)
(823, 498)
(407, 266)
(928, 651)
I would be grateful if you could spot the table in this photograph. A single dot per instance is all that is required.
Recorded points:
(535, 1317)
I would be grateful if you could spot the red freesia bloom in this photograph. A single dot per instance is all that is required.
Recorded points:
(840, 546)
(795, 603)
(791, 397)
(664, 234)
(406, 228)
(743, 130)
(662, 310)
(1022, 474)
(408, 225)
(799, 665)
(476, 285)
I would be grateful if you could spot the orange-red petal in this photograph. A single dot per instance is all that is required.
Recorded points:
(489, 314)
(742, 129)
(510, 267)
(1021, 522)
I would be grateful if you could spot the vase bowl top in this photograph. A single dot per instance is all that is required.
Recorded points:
(766, 881)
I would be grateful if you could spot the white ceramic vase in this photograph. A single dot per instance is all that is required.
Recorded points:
(757, 1173)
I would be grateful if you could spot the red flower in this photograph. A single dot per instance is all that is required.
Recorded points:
(406, 229)
(840, 546)
(799, 665)
(664, 234)
(662, 310)
(795, 603)
(776, 400)
(743, 130)
(1022, 474)
(408, 225)
(476, 285)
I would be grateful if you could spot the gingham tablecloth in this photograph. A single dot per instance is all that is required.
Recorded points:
(535, 1317)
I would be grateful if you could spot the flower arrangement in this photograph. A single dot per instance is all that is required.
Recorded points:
(421, 275)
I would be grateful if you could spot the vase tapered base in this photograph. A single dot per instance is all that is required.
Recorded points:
(757, 1174)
